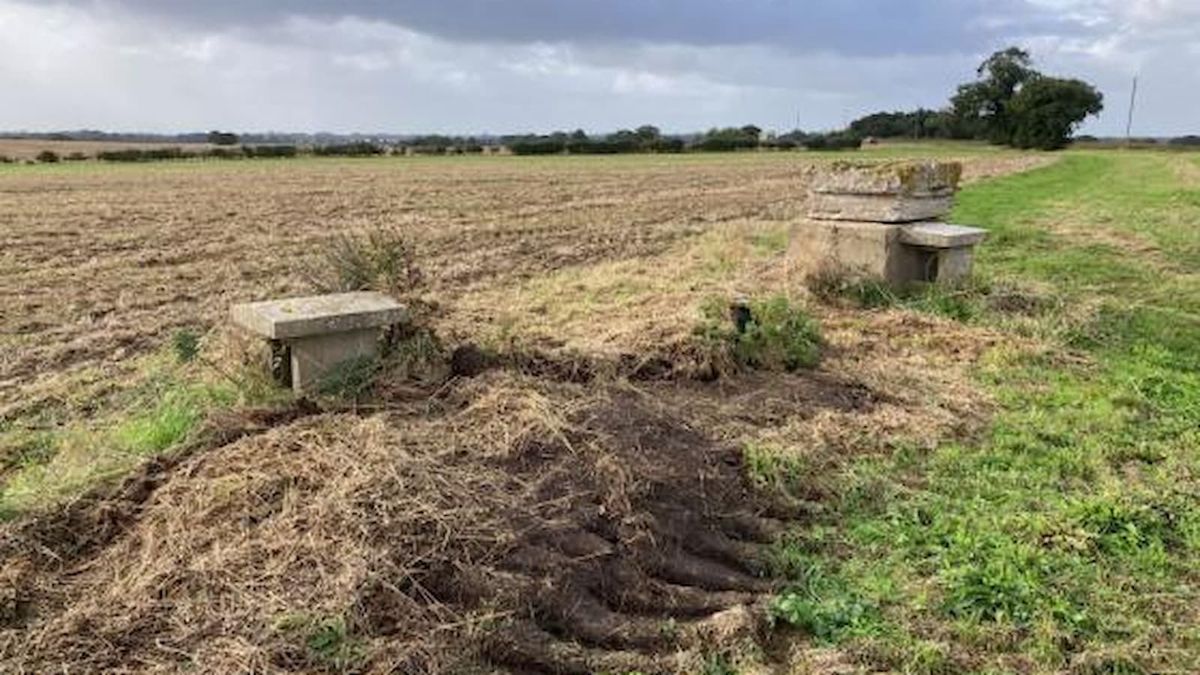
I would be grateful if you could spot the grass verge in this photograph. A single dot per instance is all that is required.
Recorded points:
(1067, 538)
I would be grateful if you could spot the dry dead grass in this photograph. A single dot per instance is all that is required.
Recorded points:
(432, 541)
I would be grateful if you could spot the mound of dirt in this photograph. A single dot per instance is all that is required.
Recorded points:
(522, 525)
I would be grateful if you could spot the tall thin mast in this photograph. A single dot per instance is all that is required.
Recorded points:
(1132, 104)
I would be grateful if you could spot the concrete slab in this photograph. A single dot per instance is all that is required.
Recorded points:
(887, 192)
(878, 208)
(927, 178)
(941, 235)
(319, 333)
(318, 315)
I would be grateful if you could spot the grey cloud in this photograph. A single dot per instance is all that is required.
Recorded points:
(531, 65)
(855, 27)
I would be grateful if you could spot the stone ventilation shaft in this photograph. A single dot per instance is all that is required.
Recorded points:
(884, 221)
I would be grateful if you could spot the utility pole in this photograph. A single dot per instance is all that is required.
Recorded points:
(1132, 104)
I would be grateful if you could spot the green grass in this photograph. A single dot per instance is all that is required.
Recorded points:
(327, 639)
(774, 334)
(175, 393)
(1067, 538)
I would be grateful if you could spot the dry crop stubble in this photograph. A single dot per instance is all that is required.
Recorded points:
(541, 516)
(102, 263)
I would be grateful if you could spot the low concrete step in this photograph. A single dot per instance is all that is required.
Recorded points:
(941, 235)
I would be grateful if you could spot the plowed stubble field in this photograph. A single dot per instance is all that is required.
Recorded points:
(540, 517)
(100, 264)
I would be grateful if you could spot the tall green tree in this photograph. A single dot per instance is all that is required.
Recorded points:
(1047, 110)
(984, 105)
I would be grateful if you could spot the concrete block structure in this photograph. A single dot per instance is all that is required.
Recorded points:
(319, 333)
(882, 221)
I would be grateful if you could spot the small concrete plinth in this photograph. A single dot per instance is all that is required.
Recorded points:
(876, 220)
(321, 332)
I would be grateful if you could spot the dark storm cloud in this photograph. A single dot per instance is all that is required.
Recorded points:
(523, 65)
(853, 27)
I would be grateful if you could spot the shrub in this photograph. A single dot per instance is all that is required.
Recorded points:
(47, 157)
(667, 145)
(128, 155)
(5, 159)
(222, 153)
(76, 157)
(538, 146)
(270, 151)
(834, 141)
(357, 149)
(779, 334)
(164, 154)
(148, 155)
(770, 334)
(381, 259)
(728, 140)
(186, 345)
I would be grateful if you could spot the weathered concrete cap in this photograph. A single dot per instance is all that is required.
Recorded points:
(941, 235)
(318, 315)
(928, 178)
(878, 208)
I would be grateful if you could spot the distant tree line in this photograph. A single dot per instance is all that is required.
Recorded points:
(649, 139)
(177, 153)
(1009, 103)
(646, 138)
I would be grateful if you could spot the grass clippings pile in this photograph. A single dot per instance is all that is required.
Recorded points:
(523, 525)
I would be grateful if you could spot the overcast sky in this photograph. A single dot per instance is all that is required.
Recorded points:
(474, 66)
